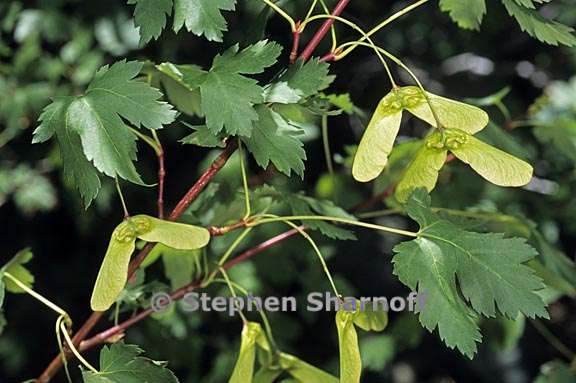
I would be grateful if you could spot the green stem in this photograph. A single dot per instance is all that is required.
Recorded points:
(410, 72)
(39, 297)
(122, 200)
(150, 141)
(248, 210)
(361, 31)
(61, 348)
(553, 339)
(75, 351)
(390, 19)
(316, 250)
(282, 13)
(326, 143)
(262, 314)
(372, 226)
(233, 292)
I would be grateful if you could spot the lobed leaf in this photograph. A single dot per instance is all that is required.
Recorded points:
(467, 13)
(122, 363)
(202, 17)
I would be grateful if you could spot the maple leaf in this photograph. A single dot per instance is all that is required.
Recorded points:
(122, 363)
(468, 14)
(228, 97)
(489, 269)
(150, 17)
(95, 120)
(274, 140)
(202, 17)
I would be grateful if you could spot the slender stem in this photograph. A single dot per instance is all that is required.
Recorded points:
(295, 44)
(194, 191)
(390, 19)
(247, 208)
(410, 72)
(361, 31)
(61, 348)
(324, 29)
(124, 206)
(282, 13)
(553, 339)
(180, 293)
(39, 297)
(161, 175)
(74, 350)
(233, 246)
(233, 292)
(326, 144)
(346, 221)
(318, 253)
(204, 179)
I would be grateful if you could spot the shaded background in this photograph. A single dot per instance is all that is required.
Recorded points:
(49, 48)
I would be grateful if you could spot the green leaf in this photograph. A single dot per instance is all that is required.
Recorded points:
(490, 271)
(350, 361)
(420, 264)
(150, 17)
(180, 266)
(378, 140)
(452, 114)
(303, 371)
(122, 363)
(97, 119)
(274, 140)
(307, 79)
(77, 169)
(228, 97)
(244, 368)
(182, 87)
(202, 136)
(494, 165)
(113, 272)
(467, 13)
(422, 171)
(16, 268)
(202, 17)
(548, 31)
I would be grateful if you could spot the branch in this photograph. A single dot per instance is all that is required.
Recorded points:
(180, 293)
(324, 29)
(188, 198)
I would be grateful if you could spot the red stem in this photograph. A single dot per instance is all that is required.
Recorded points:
(188, 198)
(295, 44)
(324, 29)
(180, 293)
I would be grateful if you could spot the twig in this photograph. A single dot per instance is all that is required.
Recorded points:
(324, 29)
(188, 198)
(295, 43)
(180, 293)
